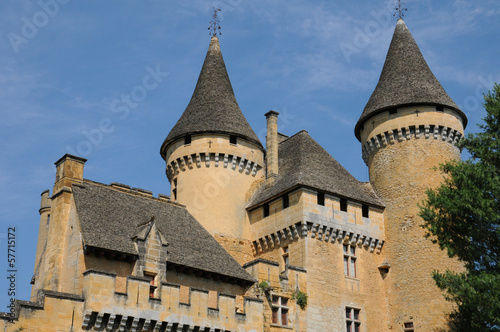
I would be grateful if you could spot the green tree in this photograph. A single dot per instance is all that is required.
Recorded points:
(463, 217)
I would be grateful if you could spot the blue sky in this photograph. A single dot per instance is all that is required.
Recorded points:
(65, 65)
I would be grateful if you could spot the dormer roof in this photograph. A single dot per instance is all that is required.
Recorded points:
(213, 107)
(406, 80)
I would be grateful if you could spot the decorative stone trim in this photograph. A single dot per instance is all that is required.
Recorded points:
(321, 232)
(239, 163)
(446, 134)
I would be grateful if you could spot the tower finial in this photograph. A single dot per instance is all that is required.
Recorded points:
(214, 23)
(400, 9)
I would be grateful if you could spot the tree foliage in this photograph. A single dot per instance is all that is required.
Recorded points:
(463, 217)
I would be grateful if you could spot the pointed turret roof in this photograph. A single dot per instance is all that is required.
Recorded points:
(213, 107)
(406, 80)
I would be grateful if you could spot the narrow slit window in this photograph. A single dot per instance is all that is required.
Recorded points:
(321, 198)
(266, 210)
(365, 211)
(343, 204)
(286, 201)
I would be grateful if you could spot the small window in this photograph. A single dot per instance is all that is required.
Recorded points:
(365, 211)
(286, 201)
(266, 210)
(440, 108)
(187, 139)
(393, 111)
(343, 204)
(280, 310)
(349, 260)
(352, 318)
(233, 139)
(152, 284)
(408, 327)
(285, 256)
(321, 198)
(48, 219)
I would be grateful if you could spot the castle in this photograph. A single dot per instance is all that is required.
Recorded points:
(252, 238)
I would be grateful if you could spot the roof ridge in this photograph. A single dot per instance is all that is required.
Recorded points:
(132, 192)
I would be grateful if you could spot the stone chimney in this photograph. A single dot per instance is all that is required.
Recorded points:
(272, 146)
(69, 170)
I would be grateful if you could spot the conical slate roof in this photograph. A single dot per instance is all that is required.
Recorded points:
(305, 163)
(213, 107)
(405, 80)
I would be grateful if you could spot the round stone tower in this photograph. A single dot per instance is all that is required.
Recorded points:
(213, 157)
(408, 126)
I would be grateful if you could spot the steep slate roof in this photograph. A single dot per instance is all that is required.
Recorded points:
(303, 162)
(213, 107)
(405, 80)
(110, 218)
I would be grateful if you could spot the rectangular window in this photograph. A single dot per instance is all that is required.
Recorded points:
(286, 201)
(233, 139)
(280, 310)
(352, 319)
(266, 210)
(349, 260)
(365, 211)
(187, 139)
(152, 284)
(343, 204)
(408, 327)
(285, 255)
(440, 108)
(321, 198)
(393, 111)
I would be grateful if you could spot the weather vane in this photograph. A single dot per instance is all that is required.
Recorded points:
(400, 9)
(214, 23)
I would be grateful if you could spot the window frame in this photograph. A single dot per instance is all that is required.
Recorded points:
(350, 258)
(352, 319)
(152, 283)
(280, 309)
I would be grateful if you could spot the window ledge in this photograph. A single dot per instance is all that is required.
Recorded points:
(352, 278)
(282, 326)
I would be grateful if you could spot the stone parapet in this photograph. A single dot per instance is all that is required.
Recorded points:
(174, 306)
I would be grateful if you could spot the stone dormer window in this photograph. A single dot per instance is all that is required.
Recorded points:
(365, 211)
(286, 201)
(343, 204)
(265, 208)
(187, 139)
(233, 139)
(321, 198)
